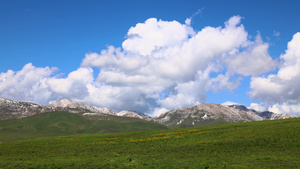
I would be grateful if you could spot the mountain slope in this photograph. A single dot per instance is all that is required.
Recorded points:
(12, 109)
(65, 103)
(208, 114)
(199, 115)
(265, 114)
(65, 123)
(261, 144)
(127, 113)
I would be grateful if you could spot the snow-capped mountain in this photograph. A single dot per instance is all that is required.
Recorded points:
(65, 103)
(265, 114)
(131, 113)
(202, 114)
(13, 109)
(211, 113)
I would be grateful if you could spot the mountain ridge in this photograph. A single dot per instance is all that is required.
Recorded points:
(13, 109)
(66, 103)
(212, 113)
(202, 114)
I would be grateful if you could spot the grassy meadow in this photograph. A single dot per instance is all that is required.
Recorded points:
(65, 123)
(264, 144)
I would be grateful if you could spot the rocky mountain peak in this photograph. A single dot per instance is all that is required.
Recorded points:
(202, 114)
(13, 109)
(132, 113)
(66, 103)
(2, 99)
(240, 107)
(211, 113)
(267, 115)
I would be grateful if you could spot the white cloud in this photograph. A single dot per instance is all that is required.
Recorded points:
(116, 98)
(153, 59)
(114, 59)
(156, 56)
(26, 84)
(228, 103)
(189, 20)
(223, 82)
(257, 107)
(254, 61)
(40, 85)
(159, 111)
(179, 60)
(286, 108)
(74, 86)
(152, 35)
(281, 88)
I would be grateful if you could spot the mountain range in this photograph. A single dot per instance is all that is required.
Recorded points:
(199, 115)
(211, 113)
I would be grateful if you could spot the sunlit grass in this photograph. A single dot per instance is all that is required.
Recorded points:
(266, 144)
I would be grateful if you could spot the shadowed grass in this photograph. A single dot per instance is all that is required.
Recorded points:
(64, 123)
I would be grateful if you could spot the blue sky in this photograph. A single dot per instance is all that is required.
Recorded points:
(52, 50)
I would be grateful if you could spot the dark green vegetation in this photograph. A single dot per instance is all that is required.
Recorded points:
(64, 123)
(264, 144)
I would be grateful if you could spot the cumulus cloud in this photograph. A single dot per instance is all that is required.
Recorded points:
(228, 103)
(28, 84)
(160, 66)
(42, 85)
(160, 54)
(286, 108)
(254, 61)
(74, 86)
(257, 107)
(282, 88)
(152, 35)
(158, 111)
(223, 82)
(116, 98)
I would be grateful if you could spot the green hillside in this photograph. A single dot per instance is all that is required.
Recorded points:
(264, 144)
(64, 123)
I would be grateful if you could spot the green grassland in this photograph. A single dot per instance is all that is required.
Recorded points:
(64, 123)
(264, 144)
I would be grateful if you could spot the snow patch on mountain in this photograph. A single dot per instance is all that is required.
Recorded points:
(205, 113)
(130, 113)
(65, 103)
